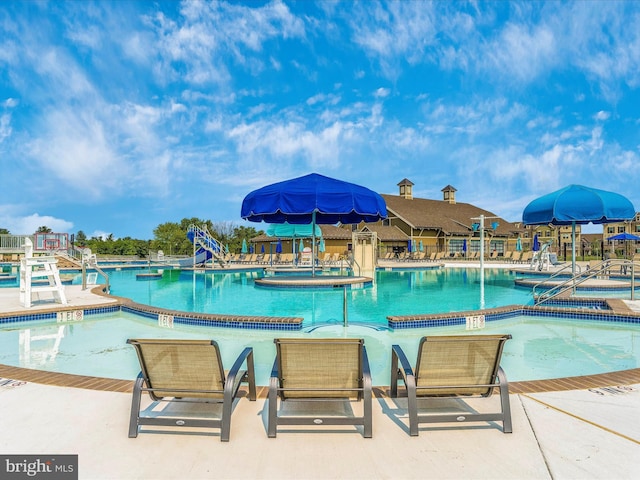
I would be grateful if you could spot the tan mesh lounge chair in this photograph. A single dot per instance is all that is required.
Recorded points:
(453, 366)
(188, 371)
(333, 369)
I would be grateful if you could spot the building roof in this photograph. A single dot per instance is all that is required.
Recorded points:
(387, 233)
(451, 218)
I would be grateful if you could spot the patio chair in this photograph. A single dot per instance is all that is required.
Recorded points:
(453, 366)
(188, 371)
(324, 370)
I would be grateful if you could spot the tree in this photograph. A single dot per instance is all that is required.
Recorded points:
(81, 238)
(44, 229)
(4, 231)
(171, 238)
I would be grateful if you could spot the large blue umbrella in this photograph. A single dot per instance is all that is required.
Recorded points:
(578, 205)
(313, 199)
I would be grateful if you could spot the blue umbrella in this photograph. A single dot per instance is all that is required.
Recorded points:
(301, 245)
(279, 246)
(262, 248)
(536, 243)
(293, 231)
(518, 245)
(244, 246)
(578, 205)
(313, 199)
(251, 249)
(464, 245)
(625, 237)
(409, 245)
(421, 246)
(321, 246)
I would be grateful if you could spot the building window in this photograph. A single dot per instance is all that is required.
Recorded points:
(610, 229)
(620, 229)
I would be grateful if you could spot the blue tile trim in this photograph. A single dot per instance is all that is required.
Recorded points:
(429, 321)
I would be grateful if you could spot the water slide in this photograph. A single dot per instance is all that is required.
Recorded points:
(207, 247)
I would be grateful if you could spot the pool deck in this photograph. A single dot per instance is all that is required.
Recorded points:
(577, 430)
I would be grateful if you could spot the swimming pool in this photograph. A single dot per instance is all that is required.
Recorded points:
(405, 292)
(541, 348)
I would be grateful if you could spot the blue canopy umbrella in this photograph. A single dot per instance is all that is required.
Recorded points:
(421, 246)
(321, 246)
(464, 247)
(244, 246)
(625, 237)
(578, 205)
(262, 248)
(293, 231)
(536, 243)
(313, 199)
(279, 246)
(409, 245)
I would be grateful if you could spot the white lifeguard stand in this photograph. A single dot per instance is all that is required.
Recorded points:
(541, 259)
(39, 275)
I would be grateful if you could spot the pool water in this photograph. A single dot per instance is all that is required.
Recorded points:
(541, 348)
(406, 292)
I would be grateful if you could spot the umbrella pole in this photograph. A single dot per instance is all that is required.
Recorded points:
(313, 244)
(573, 254)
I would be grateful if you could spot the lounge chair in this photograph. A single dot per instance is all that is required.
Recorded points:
(453, 366)
(328, 370)
(188, 371)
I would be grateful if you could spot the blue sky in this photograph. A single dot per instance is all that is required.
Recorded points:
(118, 116)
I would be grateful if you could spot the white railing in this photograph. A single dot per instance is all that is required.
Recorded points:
(13, 243)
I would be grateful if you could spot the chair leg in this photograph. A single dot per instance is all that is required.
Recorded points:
(504, 402)
(272, 399)
(412, 405)
(135, 407)
(393, 391)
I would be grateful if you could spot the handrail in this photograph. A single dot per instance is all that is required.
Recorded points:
(92, 263)
(219, 251)
(581, 277)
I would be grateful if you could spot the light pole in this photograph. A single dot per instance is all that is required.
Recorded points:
(482, 218)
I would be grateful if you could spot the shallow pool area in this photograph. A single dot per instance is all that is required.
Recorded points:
(541, 348)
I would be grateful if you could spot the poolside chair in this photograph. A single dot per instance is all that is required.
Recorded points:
(317, 369)
(453, 366)
(189, 371)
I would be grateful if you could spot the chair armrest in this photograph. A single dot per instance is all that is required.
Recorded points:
(398, 355)
(366, 372)
(234, 379)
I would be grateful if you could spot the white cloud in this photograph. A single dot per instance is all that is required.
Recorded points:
(29, 224)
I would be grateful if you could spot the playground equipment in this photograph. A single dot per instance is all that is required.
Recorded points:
(205, 248)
